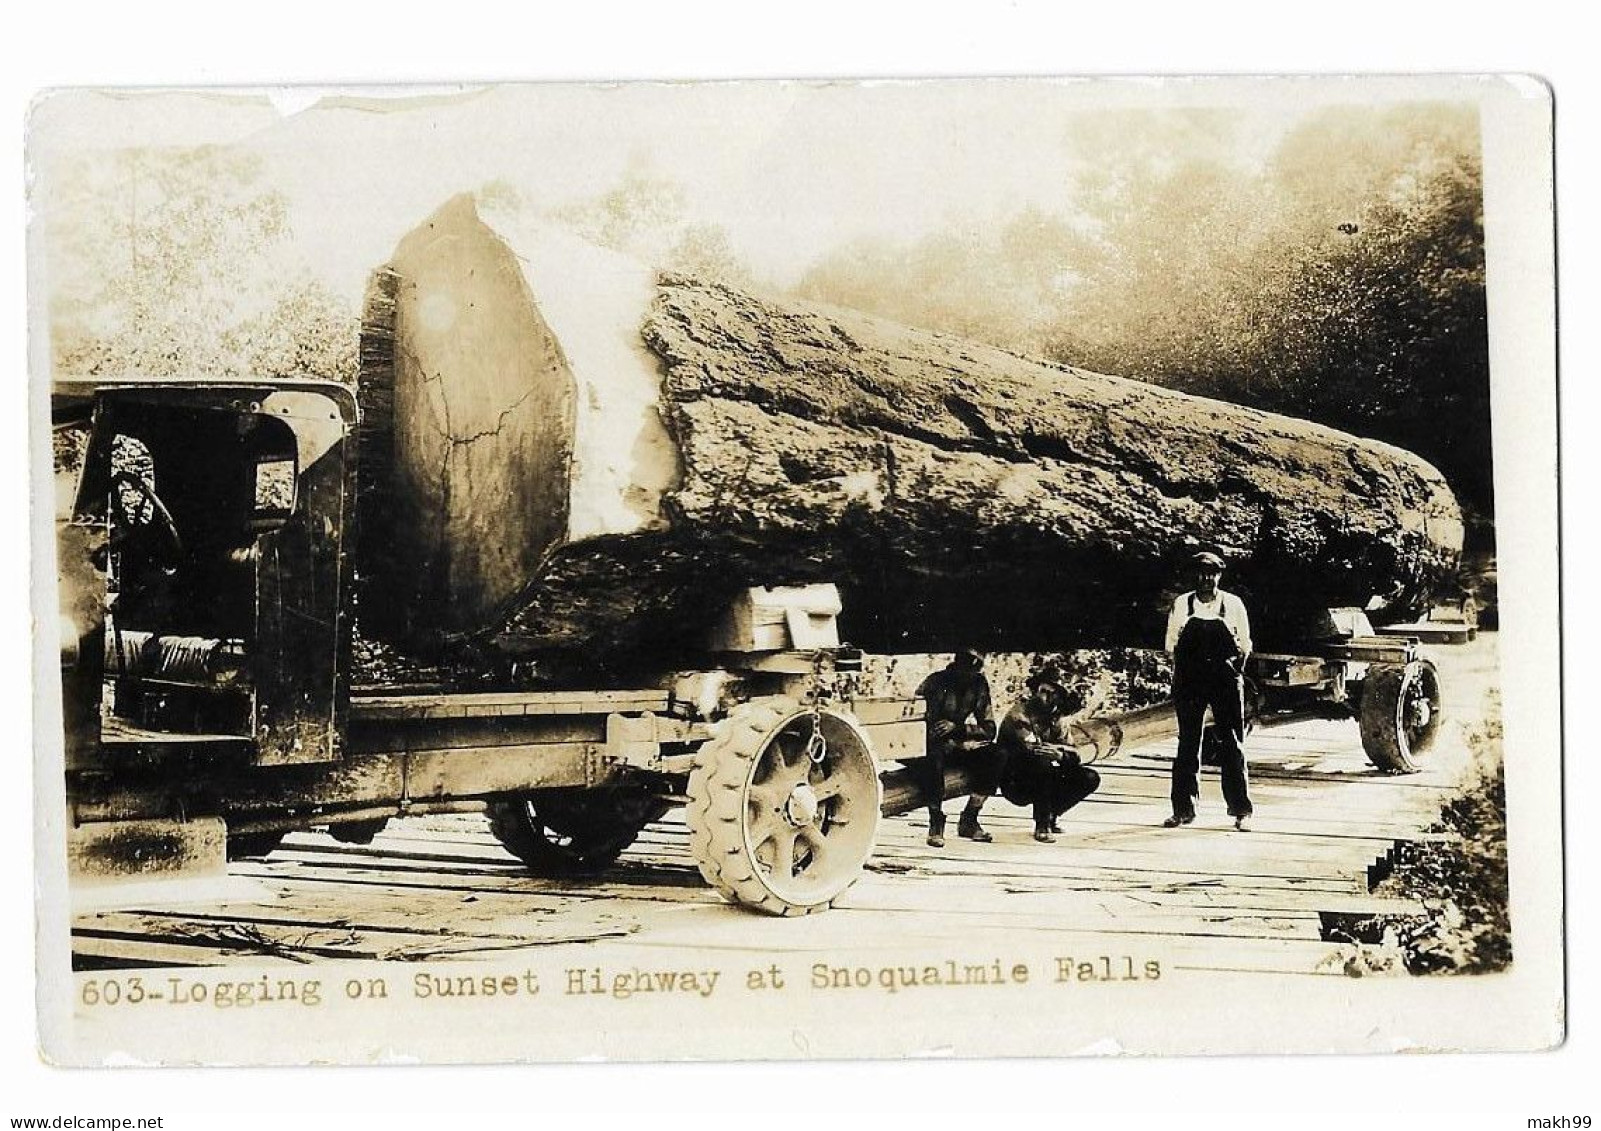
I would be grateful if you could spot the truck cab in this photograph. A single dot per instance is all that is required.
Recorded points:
(202, 533)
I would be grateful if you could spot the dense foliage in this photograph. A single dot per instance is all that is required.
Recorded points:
(1340, 277)
(646, 215)
(178, 262)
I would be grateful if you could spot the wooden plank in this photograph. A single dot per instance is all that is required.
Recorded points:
(90, 951)
(1036, 909)
(427, 852)
(404, 878)
(472, 773)
(303, 938)
(1436, 631)
(854, 935)
(1127, 875)
(328, 899)
(469, 705)
(882, 710)
(1194, 845)
(478, 732)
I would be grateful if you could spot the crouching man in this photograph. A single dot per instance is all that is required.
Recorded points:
(1039, 770)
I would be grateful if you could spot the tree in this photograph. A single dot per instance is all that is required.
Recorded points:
(1006, 285)
(704, 251)
(646, 215)
(1340, 277)
(1343, 282)
(307, 332)
(1399, 302)
(175, 263)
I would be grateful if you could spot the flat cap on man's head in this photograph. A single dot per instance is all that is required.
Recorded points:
(1207, 559)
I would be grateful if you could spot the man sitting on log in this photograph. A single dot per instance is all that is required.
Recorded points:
(1209, 636)
(954, 694)
(1039, 770)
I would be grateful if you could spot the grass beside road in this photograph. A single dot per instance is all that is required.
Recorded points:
(1461, 878)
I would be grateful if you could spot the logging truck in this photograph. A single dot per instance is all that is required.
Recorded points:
(208, 583)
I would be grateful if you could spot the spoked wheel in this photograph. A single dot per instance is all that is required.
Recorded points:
(1399, 714)
(782, 811)
(571, 832)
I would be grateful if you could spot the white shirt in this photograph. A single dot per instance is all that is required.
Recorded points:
(1223, 606)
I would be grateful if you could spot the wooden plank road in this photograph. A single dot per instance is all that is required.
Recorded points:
(441, 888)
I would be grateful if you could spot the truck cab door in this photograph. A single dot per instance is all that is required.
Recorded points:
(302, 637)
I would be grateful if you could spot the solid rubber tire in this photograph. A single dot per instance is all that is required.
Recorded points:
(1383, 737)
(716, 811)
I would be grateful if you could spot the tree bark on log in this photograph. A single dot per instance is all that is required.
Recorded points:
(582, 456)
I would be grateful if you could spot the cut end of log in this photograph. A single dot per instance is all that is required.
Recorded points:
(594, 301)
(515, 410)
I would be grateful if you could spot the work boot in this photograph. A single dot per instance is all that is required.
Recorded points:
(1043, 834)
(969, 827)
(936, 830)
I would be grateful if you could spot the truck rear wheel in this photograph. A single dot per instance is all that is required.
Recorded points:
(1399, 714)
(782, 812)
(571, 832)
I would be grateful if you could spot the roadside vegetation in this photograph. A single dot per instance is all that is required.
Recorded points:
(1460, 878)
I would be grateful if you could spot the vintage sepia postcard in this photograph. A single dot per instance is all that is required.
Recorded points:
(795, 570)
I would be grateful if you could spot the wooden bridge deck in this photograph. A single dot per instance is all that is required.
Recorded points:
(1203, 897)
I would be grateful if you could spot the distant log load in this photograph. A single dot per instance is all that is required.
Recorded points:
(565, 452)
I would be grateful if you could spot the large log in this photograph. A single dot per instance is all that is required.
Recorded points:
(565, 451)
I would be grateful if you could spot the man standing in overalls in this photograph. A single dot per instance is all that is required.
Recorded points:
(1209, 637)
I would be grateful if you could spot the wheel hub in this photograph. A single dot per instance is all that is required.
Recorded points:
(772, 827)
(1421, 713)
(800, 809)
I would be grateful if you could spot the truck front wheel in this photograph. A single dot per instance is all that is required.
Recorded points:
(783, 807)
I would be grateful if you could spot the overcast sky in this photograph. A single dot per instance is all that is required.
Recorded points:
(790, 170)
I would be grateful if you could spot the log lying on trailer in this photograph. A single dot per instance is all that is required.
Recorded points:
(565, 451)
